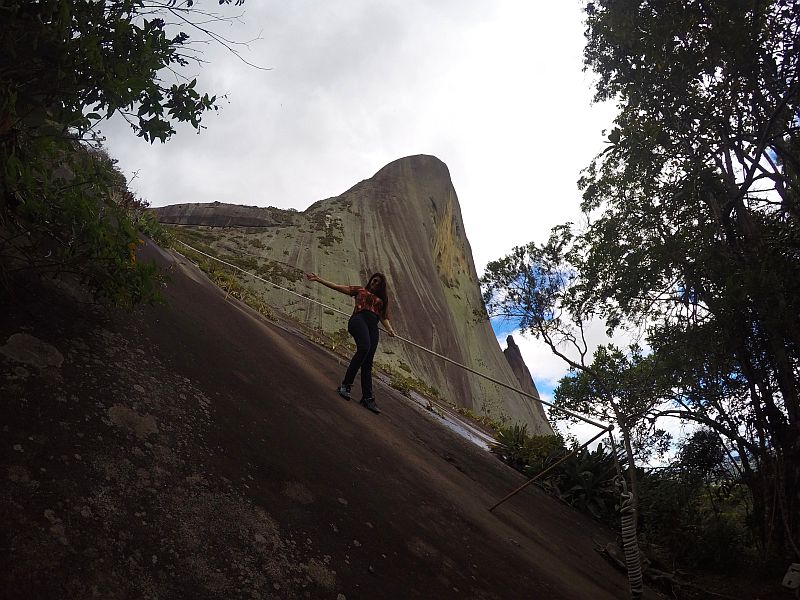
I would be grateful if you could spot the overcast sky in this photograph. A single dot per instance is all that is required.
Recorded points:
(495, 89)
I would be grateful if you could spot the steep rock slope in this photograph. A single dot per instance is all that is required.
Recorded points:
(406, 222)
(195, 450)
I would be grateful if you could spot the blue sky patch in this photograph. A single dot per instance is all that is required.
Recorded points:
(503, 326)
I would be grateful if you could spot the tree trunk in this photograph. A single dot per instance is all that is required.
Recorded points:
(632, 477)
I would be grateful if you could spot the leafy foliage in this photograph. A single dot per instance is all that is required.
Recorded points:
(585, 480)
(78, 218)
(692, 234)
(64, 66)
(587, 483)
(698, 507)
(694, 513)
(700, 193)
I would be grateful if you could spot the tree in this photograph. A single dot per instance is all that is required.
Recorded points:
(64, 66)
(540, 288)
(620, 387)
(692, 217)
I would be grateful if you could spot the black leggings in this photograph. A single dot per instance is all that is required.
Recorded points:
(363, 326)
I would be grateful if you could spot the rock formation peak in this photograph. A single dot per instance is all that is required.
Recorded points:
(406, 222)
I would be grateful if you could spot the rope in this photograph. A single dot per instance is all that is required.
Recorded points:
(407, 341)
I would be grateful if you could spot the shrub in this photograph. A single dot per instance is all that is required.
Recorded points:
(65, 208)
(531, 453)
(400, 383)
(586, 481)
(702, 525)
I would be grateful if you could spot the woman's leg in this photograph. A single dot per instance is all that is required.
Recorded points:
(366, 366)
(358, 328)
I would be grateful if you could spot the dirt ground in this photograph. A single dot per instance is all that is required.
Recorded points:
(195, 450)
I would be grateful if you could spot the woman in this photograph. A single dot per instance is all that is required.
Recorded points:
(371, 306)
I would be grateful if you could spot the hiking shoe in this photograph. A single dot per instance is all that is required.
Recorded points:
(344, 391)
(369, 403)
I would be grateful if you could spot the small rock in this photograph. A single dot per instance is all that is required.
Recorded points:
(141, 425)
(30, 350)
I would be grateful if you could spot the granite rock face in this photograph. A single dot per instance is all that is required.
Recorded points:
(522, 373)
(217, 214)
(406, 222)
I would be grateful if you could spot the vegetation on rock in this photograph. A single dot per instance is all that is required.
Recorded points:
(64, 207)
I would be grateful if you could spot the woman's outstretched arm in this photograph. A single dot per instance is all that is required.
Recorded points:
(344, 289)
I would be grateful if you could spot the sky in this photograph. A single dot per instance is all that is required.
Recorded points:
(495, 89)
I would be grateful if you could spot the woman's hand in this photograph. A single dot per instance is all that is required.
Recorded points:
(312, 276)
(389, 329)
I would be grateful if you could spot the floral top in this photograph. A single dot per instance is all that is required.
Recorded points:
(366, 300)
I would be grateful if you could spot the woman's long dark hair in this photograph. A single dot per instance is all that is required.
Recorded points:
(381, 293)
